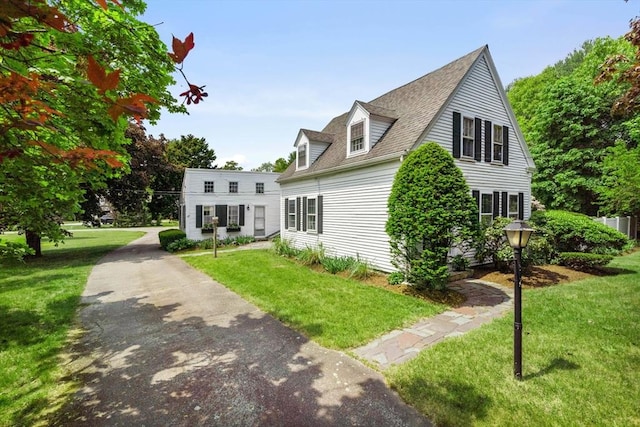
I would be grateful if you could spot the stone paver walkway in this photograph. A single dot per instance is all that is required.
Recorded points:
(485, 301)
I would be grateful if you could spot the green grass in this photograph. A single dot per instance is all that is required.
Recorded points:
(581, 361)
(38, 302)
(335, 312)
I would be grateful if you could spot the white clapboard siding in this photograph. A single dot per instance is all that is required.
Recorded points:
(315, 150)
(478, 96)
(354, 213)
(193, 195)
(378, 128)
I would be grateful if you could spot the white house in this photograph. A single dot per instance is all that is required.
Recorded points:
(336, 192)
(246, 203)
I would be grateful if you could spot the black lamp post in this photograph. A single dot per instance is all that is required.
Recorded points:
(518, 233)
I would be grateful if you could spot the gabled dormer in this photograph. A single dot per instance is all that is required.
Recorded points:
(366, 124)
(309, 146)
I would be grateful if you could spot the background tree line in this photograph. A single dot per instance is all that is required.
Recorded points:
(580, 120)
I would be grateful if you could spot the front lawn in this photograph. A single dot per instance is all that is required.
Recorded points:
(581, 361)
(334, 311)
(38, 303)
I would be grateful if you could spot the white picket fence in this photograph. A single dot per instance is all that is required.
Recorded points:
(625, 224)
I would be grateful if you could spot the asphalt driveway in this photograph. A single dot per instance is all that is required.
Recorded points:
(165, 345)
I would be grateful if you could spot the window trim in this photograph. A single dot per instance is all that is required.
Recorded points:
(494, 143)
(230, 208)
(209, 185)
(312, 216)
(259, 187)
(304, 149)
(360, 140)
(481, 212)
(291, 214)
(233, 187)
(470, 138)
(206, 219)
(513, 214)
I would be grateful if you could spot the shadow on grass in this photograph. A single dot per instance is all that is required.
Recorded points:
(556, 364)
(454, 403)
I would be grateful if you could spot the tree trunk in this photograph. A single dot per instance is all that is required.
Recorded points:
(34, 242)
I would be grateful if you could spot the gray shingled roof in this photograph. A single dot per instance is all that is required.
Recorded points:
(318, 136)
(414, 105)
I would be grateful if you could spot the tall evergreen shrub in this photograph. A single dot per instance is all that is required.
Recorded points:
(430, 209)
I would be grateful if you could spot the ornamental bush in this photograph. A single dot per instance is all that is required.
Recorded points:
(430, 210)
(583, 261)
(573, 232)
(182, 244)
(171, 235)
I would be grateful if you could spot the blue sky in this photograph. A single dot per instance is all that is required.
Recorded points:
(272, 67)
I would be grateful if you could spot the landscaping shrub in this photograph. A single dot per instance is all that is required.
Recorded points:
(284, 247)
(182, 244)
(168, 236)
(244, 240)
(459, 263)
(493, 245)
(338, 264)
(311, 256)
(361, 270)
(430, 210)
(14, 250)
(573, 232)
(395, 278)
(584, 261)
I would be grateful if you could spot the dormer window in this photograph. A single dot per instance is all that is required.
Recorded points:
(302, 156)
(357, 137)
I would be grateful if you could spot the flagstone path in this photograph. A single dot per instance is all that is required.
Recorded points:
(485, 302)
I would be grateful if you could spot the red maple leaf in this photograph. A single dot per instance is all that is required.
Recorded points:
(181, 49)
(100, 78)
(132, 106)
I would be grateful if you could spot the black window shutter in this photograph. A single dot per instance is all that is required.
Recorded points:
(477, 140)
(221, 213)
(304, 214)
(298, 209)
(476, 195)
(520, 205)
(457, 135)
(286, 213)
(505, 145)
(198, 216)
(488, 151)
(496, 204)
(505, 204)
(241, 215)
(319, 215)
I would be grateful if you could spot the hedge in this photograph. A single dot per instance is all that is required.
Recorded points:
(584, 262)
(171, 235)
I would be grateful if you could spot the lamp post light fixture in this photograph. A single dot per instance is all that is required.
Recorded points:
(518, 234)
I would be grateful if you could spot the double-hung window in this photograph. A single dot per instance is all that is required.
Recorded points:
(357, 137)
(486, 209)
(259, 187)
(291, 220)
(302, 155)
(233, 186)
(468, 133)
(497, 143)
(208, 186)
(233, 215)
(514, 206)
(311, 215)
(207, 214)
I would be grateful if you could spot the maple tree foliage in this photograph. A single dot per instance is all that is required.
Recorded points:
(73, 75)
